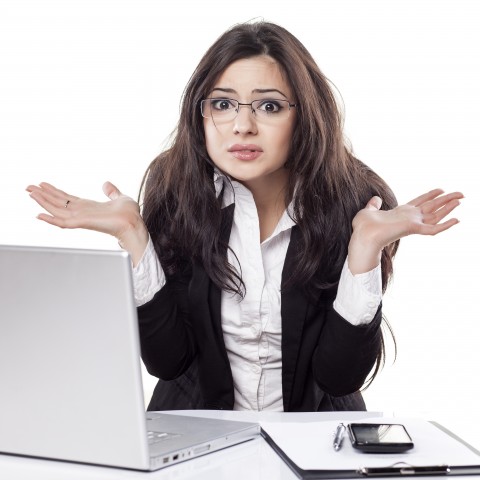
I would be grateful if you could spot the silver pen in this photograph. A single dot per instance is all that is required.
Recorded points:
(337, 441)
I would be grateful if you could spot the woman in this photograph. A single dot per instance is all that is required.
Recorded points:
(263, 246)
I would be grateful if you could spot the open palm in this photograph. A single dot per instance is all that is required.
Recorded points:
(422, 215)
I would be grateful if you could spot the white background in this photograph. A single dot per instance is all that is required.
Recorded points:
(90, 90)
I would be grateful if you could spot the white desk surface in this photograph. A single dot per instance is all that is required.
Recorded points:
(252, 460)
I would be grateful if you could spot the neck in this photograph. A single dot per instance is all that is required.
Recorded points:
(269, 193)
(270, 199)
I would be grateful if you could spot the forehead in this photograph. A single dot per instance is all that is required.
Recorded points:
(255, 73)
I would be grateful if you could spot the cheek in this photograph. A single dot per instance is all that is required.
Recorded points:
(208, 139)
(206, 131)
(284, 138)
(212, 136)
(213, 143)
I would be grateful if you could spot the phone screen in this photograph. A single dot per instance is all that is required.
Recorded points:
(380, 437)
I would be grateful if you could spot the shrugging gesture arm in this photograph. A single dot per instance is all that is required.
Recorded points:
(374, 229)
(119, 216)
(164, 329)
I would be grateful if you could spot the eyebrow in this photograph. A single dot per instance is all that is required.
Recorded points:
(256, 90)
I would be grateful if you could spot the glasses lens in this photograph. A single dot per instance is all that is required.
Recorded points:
(221, 108)
(271, 109)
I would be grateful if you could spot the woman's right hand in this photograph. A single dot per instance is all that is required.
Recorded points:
(120, 216)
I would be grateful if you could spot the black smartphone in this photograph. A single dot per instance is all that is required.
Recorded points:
(379, 438)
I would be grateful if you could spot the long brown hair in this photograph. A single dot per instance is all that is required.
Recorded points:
(180, 207)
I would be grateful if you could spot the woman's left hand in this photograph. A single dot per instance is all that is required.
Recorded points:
(374, 229)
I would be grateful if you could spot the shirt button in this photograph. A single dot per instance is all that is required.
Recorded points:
(254, 330)
(256, 368)
(371, 304)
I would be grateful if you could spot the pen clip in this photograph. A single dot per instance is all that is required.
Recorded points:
(404, 469)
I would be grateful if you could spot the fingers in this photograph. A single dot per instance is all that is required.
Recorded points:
(53, 193)
(434, 209)
(440, 203)
(56, 202)
(50, 202)
(439, 212)
(375, 203)
(49, 197)
(438, 228)
(56, 221)
(425, 197)
(111, 191)
(59, 215)
(429, 201)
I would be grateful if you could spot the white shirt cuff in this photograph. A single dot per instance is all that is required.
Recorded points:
(358, 296)
(148, 276)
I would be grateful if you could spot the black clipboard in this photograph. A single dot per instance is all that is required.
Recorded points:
(399, 469)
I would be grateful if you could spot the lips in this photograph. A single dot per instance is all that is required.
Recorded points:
(245, 152)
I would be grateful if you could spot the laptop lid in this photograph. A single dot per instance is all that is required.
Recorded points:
(69, 386)
(70, 375)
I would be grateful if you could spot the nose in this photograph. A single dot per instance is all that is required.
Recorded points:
(245, 122)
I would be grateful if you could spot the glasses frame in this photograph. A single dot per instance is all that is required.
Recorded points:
(237, 110)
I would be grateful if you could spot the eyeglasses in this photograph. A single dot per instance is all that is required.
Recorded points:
(265, 110)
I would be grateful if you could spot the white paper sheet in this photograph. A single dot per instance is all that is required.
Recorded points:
(310, 446)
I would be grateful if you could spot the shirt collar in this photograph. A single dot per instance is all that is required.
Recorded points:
(222, 182)
(231, 188)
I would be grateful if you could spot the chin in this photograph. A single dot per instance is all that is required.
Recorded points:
(244, 178)
(243, 174)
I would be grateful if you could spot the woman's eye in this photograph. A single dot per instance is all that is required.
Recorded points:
(222, 104)
(269, 106)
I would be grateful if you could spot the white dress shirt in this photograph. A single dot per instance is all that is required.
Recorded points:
(252, 326)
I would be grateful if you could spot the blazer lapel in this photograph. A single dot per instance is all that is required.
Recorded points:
(294, 310)
(214, 292)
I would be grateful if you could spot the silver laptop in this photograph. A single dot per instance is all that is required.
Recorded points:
(70, 374)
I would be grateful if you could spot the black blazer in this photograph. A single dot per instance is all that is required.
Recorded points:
(325, 359)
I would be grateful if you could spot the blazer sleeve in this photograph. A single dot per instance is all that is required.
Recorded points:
(166, 337)
(345, 354)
